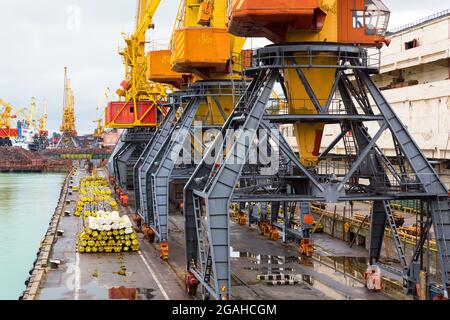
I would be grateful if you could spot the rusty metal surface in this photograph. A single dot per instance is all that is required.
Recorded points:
(16, 159)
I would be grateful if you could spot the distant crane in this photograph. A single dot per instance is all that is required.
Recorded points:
(68, 130)
(106, 96)
(6, 132)
(42, 122)
(40, 126)
(28, 115)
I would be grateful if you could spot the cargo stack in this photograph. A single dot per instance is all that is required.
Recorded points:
(95, 195)
(107, 232)
(103, 228)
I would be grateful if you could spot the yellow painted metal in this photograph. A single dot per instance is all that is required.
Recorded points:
(201, 46)
(98, 132)
(309, 135)
(68, 119)
(205, 13)
(101, 120)
(160, 69)
(196, 46)
(32, 110)
(189, 52)
(136, 86)
(42, 121)
(213, 113)
(6, 114)
(321, 81)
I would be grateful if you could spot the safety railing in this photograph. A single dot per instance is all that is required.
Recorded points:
(317, 59)
(400, 182)
(284, 106)
(420, 21)
(356, 221)
(220, 88)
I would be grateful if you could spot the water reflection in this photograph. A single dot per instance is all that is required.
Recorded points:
(93, 291)
(333, 276)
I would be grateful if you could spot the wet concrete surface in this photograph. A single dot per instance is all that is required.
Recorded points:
(335, 271)
(319, 277)
(98, 276)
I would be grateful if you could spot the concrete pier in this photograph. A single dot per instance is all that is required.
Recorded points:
(63, 274)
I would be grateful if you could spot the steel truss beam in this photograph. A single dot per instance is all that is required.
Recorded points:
(212, 188)
(126, 154)
(207, 197)
(160, 167)
(142, 166)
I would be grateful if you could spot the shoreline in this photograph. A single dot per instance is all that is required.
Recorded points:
(40, 266)
(37, 170)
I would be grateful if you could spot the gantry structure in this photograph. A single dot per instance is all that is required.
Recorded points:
(321, 61)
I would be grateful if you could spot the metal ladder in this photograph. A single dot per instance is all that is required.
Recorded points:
(205, 256)
(349, 144)
(200, 230)
(398, 243)
(155, 217)
(441, 223)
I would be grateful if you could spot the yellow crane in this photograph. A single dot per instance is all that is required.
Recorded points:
(6, 115)
(139, 96)
(68, 119)
(201, 46)
(28, 115)
(42, 121)
(67, 128)
(98, 132)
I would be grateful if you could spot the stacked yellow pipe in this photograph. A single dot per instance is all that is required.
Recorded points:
(103, 231)
(94, 191)
(107, 232)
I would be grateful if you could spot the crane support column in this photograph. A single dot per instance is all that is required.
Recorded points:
(367, 176)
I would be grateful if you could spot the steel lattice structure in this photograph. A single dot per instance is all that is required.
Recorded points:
(368, 173)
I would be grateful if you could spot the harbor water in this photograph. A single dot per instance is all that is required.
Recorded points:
(27, 202)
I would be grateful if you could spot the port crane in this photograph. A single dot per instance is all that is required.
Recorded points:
(320, 59)
(68, 130)
(42, 121)
(6, 132)
(8, 113)
(98, 132)
(140, 109)
(207, 59)
(40, 125)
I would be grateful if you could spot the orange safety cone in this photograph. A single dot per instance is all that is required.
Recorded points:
(124, 200)
(274, 233)
(306, 248)
(149, 234)
(242, 220)
(164, 250)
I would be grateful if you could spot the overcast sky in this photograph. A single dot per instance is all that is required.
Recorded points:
(40, 37)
